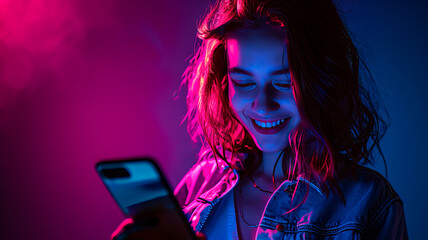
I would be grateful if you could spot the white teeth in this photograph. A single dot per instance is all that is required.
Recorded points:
(269, 124)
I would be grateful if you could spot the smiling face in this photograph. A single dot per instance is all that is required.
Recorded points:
(260, 88)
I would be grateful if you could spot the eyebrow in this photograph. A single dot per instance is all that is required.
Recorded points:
(248, 73)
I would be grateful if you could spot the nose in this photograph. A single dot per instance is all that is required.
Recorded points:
(264, 102)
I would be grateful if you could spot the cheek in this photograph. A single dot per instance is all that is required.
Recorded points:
(234, 99)
(292, 106)
(238, 100)
(287, 101)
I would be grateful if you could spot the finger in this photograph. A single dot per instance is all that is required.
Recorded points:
(201, 236)
(128, 222)
(131, 231)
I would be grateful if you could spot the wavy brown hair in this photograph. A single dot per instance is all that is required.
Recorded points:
(340, 125)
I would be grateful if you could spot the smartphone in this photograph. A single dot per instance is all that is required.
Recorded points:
(140, 189)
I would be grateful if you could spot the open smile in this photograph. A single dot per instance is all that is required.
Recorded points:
(270, 127)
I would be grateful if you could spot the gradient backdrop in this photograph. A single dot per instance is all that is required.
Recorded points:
(84, 80)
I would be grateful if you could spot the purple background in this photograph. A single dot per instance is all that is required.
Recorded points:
(86, 80)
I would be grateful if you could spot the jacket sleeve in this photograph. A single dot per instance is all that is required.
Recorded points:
(181, 191)
(390, 224)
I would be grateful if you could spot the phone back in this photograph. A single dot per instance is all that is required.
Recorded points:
(142, 192)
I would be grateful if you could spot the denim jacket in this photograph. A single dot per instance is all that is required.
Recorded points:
(373, 209)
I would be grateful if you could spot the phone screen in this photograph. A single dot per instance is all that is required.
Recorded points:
(139, 188)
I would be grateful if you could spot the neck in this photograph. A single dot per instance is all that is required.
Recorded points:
(264, 171)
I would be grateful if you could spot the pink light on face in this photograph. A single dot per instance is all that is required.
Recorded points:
(259, 87)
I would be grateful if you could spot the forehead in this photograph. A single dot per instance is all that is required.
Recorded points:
(256, 49)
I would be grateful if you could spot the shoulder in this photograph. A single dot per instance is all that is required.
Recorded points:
(368, 182)
(380, 206)
(369, 195)
(203, 176)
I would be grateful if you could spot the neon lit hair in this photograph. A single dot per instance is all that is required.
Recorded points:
(339, 126)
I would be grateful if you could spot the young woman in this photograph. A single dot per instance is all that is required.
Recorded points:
(276, 94)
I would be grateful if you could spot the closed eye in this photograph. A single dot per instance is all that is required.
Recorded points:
(243, 84)
(283, 85)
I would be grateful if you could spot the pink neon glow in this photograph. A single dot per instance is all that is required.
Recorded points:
(306, 218)
(265, 233)
(122, 225)
(81, 81)
(34, 35)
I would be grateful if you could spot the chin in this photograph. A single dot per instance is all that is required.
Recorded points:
(271, 147)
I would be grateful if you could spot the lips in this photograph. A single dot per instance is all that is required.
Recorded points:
(271, 130)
